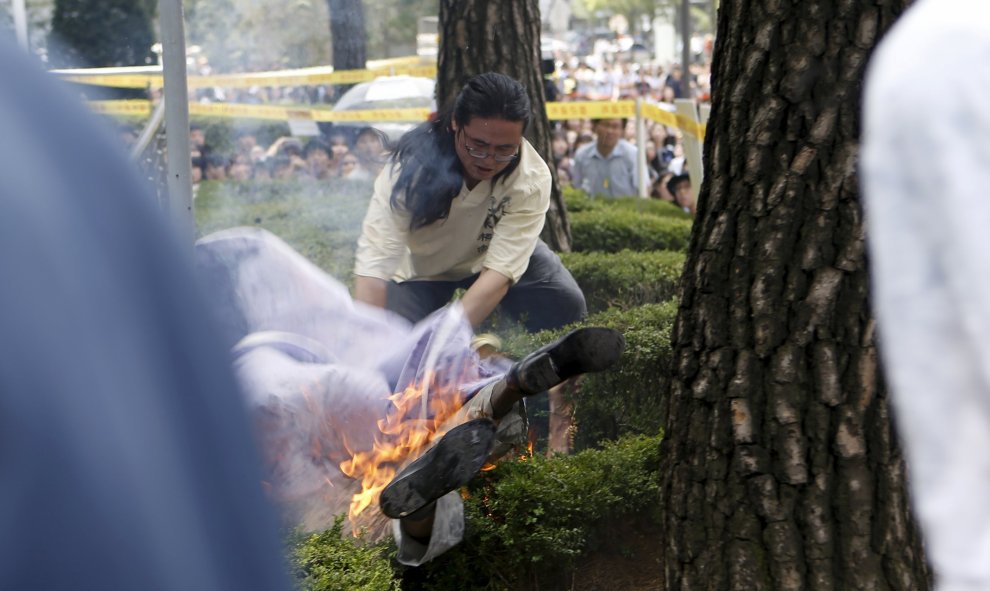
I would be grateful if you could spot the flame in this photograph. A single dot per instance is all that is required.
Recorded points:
(403, 434)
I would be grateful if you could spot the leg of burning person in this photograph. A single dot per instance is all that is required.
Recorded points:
(547, 297)
(580, 351)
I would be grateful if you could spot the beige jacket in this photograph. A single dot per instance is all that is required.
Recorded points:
(494, 226)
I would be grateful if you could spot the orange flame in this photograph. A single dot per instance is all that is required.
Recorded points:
(404, 434)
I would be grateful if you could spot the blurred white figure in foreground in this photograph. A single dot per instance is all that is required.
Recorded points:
(926, 178)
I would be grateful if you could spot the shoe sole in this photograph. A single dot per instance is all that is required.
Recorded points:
(585, 350)
(450, 464)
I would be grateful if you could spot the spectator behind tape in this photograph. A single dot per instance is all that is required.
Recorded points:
(607, 167)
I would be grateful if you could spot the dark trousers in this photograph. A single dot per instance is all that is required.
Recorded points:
(545, 297)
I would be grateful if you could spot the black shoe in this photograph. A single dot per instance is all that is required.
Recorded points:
(584, 350)
(450, 464)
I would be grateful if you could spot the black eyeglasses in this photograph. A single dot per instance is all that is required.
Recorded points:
(501, 154)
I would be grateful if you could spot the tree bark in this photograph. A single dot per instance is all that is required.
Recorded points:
(781, 467)
(478, 36)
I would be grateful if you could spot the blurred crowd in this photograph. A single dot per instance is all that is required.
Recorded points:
(578, 80)
(361, 154)
(358, 156)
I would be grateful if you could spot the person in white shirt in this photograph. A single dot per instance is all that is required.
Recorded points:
(926, 169)
(461, 206)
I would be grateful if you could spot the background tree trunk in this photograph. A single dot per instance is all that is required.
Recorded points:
(101, 33)
(781, 468)
(478, 36)
(348, 37)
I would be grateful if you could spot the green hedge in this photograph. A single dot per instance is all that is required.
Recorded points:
(625, 279)
(529, 521)
(628, 398)
(615, 229)
(330, 561)
(576, 200)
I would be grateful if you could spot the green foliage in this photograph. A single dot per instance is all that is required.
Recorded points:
(530, 520)
(630, 397)
(320, 220)
(649, 206)
(101, 33)
(576, 200)
(625, 279)
(614, 229)
(329, 561)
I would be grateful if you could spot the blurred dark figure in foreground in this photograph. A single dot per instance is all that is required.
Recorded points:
(925, 184)
(126, 460)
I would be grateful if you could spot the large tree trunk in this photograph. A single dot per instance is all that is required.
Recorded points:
(781, 466)
(478, 36)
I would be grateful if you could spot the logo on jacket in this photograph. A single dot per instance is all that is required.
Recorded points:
(495, 213)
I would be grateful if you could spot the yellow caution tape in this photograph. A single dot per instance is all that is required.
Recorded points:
(555, 111)
(654, 113)
(591, 110)
(115, 80)
(239, 111)
(415, 115)
(302, 77)
(622, 109)
(136, 107)
(270, 112)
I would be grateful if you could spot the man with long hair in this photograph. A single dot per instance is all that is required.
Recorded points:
(461, 206)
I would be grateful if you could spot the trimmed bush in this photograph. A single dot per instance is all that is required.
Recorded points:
(651, 207)
(576, 200)
(616, 229)
(628, 398)
(531, 519)
(625, 279)
(329, 561)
